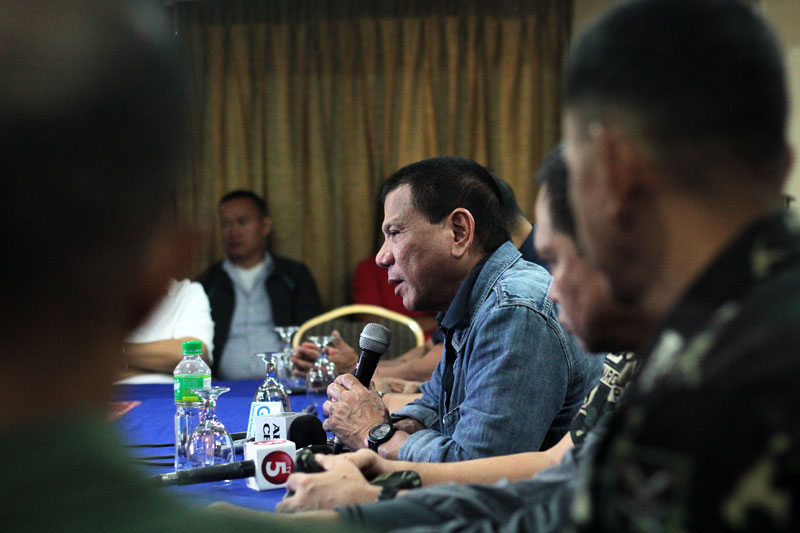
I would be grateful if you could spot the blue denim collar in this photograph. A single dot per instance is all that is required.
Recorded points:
(459, 307)
(465, 302)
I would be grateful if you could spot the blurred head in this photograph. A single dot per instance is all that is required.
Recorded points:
(245, 227)
(586, 307)
(93, 126)
(519, 227)
(441, 216)
(688, 95)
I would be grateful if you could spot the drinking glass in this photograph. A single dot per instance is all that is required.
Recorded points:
(323, 372)
(271, 389)
(210, 443)
(286, 333)
(284, 369)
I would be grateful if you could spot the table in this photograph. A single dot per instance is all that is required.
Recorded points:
(152, 422)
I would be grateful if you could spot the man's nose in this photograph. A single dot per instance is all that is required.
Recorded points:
(384, 257)
(230, 233)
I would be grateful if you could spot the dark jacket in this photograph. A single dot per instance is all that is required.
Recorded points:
(291, 289)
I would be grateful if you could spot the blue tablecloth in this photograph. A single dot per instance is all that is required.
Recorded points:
(152, 422)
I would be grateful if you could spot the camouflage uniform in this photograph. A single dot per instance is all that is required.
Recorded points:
(600, 403)
(708, 436)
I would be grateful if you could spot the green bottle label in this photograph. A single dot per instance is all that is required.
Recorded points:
(185, 384)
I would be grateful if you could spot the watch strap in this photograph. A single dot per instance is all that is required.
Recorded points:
(404, 479)
(388, 493)
(373, 444)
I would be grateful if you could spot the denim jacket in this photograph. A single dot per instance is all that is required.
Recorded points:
(518, 377)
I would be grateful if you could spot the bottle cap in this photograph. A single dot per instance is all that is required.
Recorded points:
(192, 347)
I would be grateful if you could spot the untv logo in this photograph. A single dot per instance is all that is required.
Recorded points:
(277, 466)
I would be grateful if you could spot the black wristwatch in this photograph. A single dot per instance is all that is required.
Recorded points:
(379, 434)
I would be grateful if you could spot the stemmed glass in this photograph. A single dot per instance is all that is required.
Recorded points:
(323, 372)
(210, 443)
(286, 333)
(283, 365)
(271, 390)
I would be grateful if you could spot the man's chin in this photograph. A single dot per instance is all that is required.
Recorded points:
(412, 304)
(592, 343)
(237, 256)
(603, 345)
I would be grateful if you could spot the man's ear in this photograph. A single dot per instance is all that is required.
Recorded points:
(167, 255)
(620, 167)
(462, 225)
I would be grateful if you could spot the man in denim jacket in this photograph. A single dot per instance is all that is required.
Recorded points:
(447, 250)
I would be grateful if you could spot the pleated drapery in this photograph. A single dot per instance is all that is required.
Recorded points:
(314, 103)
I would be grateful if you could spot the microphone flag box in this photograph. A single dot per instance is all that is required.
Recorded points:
(274, 461)
(261, 409)
(274, 427)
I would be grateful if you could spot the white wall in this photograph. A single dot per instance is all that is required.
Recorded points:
(785, 17)
(584, 11)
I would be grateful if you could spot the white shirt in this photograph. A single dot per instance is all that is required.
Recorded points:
(184, 312)
(252, 323)
(248, 277)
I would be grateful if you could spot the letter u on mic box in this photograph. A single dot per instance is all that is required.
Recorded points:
(274, 461)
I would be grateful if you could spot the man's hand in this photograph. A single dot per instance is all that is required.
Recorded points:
(352, 410)
(340, 484)
(304, 358)
(315, 520)
(370, 463)
(342, 355)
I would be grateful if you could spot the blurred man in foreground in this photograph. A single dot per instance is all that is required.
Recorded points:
(675, 131)
(93, 123)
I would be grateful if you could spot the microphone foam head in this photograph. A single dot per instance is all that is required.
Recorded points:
(306, 430)
(375, 338)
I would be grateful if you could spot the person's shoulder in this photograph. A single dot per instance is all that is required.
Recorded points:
(210, 273)
(525, 282)
(777, 297)
(286, 262)
(188, 289)
(284, 265)
(214, 279)
(185, 285)
(295, 275)
(758, 329)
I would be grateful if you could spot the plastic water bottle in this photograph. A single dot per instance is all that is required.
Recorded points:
(191, 373)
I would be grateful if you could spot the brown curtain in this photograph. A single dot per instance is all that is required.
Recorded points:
(314, 103)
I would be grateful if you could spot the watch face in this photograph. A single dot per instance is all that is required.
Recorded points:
(380, 431)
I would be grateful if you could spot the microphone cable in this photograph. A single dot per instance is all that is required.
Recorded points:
(234, 436)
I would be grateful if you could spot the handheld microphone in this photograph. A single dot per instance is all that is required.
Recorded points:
(374, 341)
(207, 474)
(302, 429)
(305, 430)
(267, 465)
